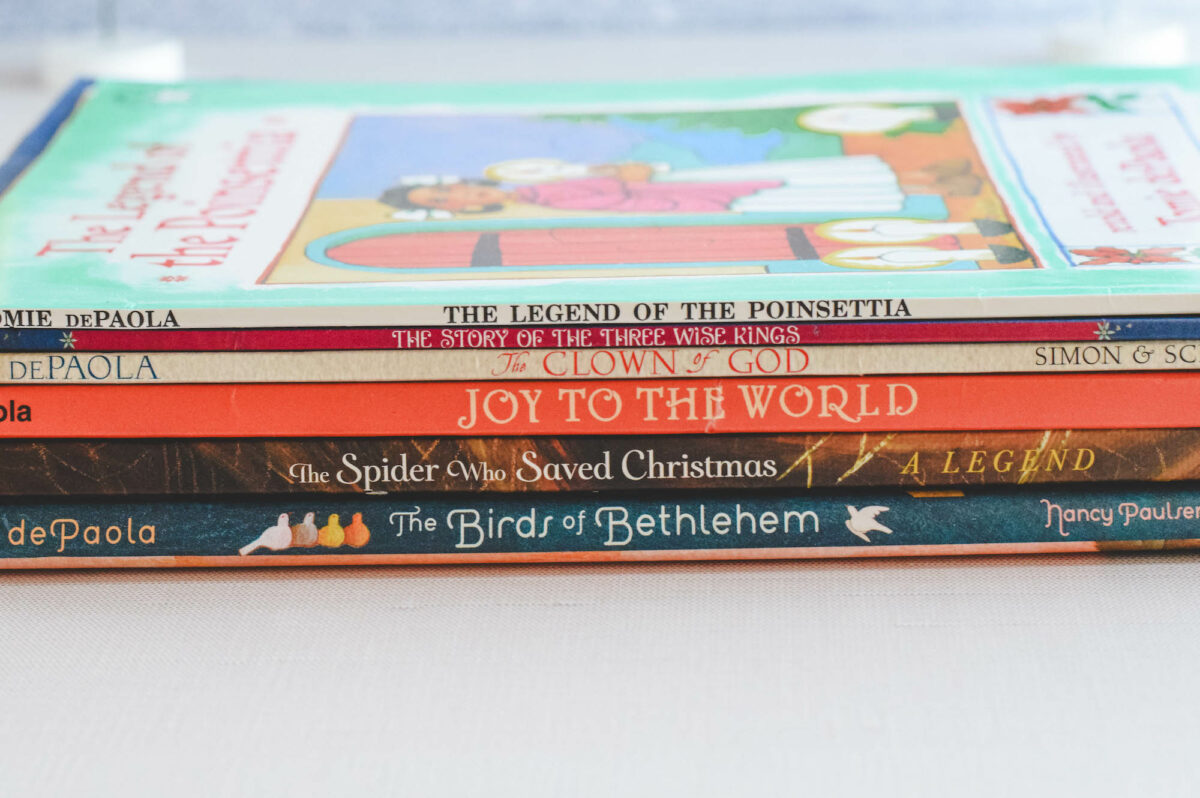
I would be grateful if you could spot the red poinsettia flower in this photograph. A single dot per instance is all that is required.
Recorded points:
(1044, 105)
(1103, 256)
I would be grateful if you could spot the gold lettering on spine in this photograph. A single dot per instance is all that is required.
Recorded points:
(64, 529)
(1028, 466)
(864, 458)
(805, 458)
(1057, 460)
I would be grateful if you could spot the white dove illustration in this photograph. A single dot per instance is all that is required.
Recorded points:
(275, 538)
(863, 521)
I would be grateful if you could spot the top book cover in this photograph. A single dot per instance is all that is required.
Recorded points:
(1020, 194)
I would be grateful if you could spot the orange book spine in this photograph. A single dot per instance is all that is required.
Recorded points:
(1005, 401)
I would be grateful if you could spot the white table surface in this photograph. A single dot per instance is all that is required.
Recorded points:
(1065, 675)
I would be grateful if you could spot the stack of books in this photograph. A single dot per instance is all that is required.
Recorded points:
(865, 315)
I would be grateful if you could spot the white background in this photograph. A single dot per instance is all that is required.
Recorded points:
(1069, 675)
(1065, 675)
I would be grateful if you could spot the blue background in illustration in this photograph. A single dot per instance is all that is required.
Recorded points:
(379, 150)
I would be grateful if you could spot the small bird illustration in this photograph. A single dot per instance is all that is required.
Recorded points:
(305, 533)
(865, 520)
(357, 534)
(332, 535)
(275, 538)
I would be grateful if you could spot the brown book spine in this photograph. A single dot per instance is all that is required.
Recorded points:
(912, 460)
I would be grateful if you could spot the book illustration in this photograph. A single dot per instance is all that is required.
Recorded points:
(275, 538)
(862, 522)
(868, 195)
(841, 184)
(357, 533)
(1112, 174)
(244, 205)
(305, 535)
(1096, 104)
(885, 186)
(332, 534)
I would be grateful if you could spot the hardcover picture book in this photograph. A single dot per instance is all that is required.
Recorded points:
(1026, 193)
(837, 316)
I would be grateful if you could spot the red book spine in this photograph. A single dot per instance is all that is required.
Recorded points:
(960, 402)
(598, 336)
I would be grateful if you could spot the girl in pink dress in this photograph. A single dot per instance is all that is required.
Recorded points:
(856, 184)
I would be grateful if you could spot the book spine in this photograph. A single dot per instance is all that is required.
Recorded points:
(598, 335)
(1114, 303)
(555, 364)
(892, 404)
(312, 530)
(378, 466)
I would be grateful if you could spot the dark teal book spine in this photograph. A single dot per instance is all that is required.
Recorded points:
(481, 528)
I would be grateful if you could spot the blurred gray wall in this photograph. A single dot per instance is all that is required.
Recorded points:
(339, 18)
